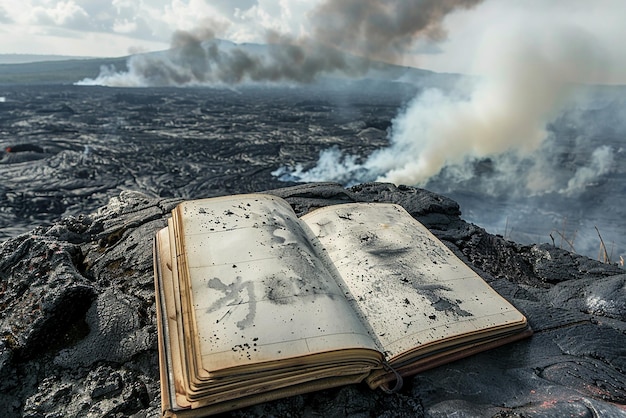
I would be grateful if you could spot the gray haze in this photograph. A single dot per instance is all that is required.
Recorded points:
(346, 35)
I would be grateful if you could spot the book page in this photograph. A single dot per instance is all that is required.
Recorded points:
(163, 279)
(409, 287)
(259, 291)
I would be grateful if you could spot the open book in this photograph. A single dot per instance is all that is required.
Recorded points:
(256, 304)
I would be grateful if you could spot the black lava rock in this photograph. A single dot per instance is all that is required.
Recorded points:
(78, 332)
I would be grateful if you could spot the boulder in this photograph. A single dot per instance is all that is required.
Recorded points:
(78, 332)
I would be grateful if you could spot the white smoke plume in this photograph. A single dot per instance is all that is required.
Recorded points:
(529, 84)
(601, 163)
(530, 71)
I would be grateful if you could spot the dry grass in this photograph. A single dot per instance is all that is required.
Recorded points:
(563, 235)
(567, 242)
(603, 254)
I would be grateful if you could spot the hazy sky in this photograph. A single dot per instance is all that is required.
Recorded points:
(120, 27)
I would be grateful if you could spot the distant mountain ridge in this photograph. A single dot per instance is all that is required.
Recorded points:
(56, 71)
(29, 69)
(30, 58)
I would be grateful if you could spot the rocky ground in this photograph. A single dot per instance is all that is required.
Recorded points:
(70, 149)
(78, 333)
(66, 150)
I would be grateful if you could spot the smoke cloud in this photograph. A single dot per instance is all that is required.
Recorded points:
(344, 38)
(530, 74)
(601, 163)
(529, 84)
(197, 58)
(529, 68)
(384, 30)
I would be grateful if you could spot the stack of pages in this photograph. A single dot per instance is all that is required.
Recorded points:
(256, 304)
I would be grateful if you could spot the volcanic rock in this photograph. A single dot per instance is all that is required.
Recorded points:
(78, 332)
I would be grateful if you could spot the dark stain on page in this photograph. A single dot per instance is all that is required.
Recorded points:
(301, 272)
(326, 227)
(281, 290)
(434, 294)
(449, 306)
(346, 216)
(388, 251)
(232, 297)
(287, 230)
(381, 248)
(245, 349)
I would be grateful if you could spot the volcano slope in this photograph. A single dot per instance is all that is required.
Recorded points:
(77, 315)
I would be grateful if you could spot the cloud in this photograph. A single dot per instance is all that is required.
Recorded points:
(4, 16)
(229, 7)
(91, 16)
(66, 14)
(124, 26)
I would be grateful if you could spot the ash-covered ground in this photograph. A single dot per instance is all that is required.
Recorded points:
(77, 297)
(72, 148)
(68, 149)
